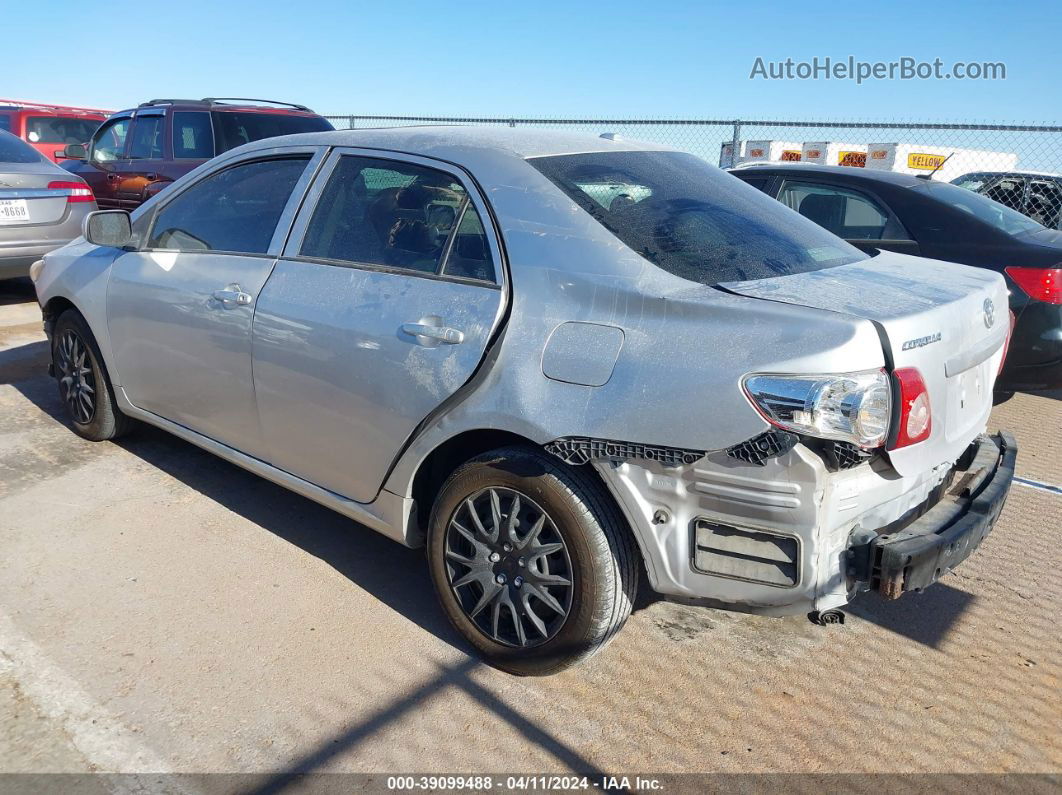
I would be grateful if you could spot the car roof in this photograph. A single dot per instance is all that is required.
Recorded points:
(450, 141)
(848, 173)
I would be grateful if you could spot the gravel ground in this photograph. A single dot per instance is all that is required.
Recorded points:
(164, 611)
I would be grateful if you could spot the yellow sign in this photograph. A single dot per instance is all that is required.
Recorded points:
(925, 162)
(857, 159)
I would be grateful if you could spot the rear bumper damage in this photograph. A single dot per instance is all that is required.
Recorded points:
(796, 533)
(916, 556)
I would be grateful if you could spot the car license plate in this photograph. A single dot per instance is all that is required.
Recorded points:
(13, 211)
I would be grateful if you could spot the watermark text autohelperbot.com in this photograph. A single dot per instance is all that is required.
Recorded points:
(850, 68)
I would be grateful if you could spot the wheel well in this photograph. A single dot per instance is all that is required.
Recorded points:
(445, 458)
(56, 307)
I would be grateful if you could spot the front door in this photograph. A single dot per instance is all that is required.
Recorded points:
(180, 308)
(145, 157)
(106, 150)
(380, 310)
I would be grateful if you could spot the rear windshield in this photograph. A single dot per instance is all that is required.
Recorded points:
(692, 219)
(15, 150)
(59, 129)
(234, 128)
(991, 212)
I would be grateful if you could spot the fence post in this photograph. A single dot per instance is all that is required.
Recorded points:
(350, 123)
(735, 143)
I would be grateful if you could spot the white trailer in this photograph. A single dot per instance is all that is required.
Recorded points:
(949, 161)
(833, 153)
(726, 154)
(770, 151)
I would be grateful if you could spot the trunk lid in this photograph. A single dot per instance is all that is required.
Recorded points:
(950, 321)
(26, 186)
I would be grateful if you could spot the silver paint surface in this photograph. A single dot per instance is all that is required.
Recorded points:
(344, 400)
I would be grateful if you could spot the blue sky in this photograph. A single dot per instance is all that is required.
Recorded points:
(620, 58)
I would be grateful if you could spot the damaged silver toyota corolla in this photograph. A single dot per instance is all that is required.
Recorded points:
(560, 362)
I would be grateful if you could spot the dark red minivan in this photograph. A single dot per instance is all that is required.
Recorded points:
(136, 153)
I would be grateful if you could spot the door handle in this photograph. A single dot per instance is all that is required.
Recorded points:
(233, 296)
(113, 177)
(450, 336)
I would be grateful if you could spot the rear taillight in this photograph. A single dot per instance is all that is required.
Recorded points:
(1043, 284)
(915, 421)
(77, 191)
(1006, 342)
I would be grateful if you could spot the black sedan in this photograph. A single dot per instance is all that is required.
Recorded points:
(898, 212)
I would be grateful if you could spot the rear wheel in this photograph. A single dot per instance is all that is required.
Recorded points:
(83, 383)
(530, 560)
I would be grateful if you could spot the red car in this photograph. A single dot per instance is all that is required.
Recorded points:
(138, 152)
(49, 128)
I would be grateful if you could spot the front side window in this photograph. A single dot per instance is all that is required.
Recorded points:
(1045, 202)
(5, 122)
(109, 141)
(234, 210)
(193, 137)
(691, 219)
(59, 129)
(846, 213)
(145, 141)
(235, 128)
(399, 215)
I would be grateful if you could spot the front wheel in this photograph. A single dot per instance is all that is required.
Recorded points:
(530, 560)
(83, 383)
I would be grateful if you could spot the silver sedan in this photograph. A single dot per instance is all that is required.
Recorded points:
(558, 362)
(41, 206)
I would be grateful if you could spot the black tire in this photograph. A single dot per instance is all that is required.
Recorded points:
(599, 553)
(104, 420)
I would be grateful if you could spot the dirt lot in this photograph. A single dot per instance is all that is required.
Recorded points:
(161, 610)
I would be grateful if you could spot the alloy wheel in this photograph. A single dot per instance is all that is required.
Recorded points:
(77, 384)
(509, 567)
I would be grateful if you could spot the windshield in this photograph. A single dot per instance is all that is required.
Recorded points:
(15, 150)
(235, 128)
(59, 129)
(692, 219)
(991, 212)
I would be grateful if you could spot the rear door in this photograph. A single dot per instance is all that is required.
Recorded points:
(145, 157)
(180, 308)
(380, 309)
(863, 220)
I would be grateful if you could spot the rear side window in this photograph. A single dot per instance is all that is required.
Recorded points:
(59, 129)
(235, 128)
(193, 137)
(234, 210)
(145, 140)
(846, 213)
(398, 215)
(691, 219)
(15, 150)
(759, 183)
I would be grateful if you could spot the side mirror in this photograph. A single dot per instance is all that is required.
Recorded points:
(75, 151)
(110, 228)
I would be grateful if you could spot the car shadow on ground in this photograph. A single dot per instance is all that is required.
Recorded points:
(16, 291)
(927, 618)
(394, 574)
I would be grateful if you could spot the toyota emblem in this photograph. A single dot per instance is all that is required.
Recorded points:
(990, 313)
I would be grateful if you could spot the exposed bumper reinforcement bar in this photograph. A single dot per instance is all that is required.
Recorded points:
(917, 556)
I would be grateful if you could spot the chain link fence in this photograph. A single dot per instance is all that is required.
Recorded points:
(1016, 164)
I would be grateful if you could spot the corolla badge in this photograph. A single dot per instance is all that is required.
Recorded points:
(921, 342)
(990, 313)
